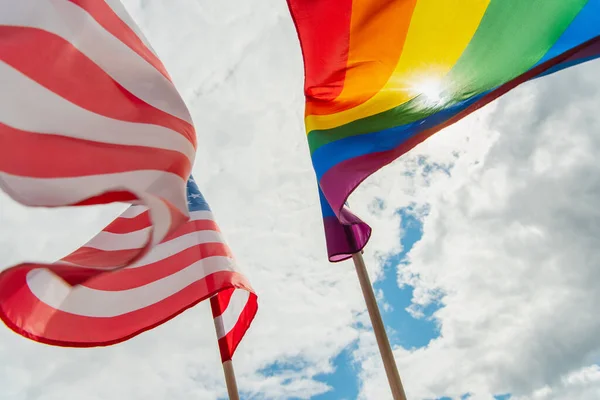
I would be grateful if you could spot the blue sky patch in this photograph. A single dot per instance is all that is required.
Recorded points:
(402, 328)
(344, 379)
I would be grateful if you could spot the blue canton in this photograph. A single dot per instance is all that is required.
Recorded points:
(195, 199)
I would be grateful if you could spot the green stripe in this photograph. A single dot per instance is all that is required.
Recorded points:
(512, 37)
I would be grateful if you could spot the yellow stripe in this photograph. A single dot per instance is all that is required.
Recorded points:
(439, 32)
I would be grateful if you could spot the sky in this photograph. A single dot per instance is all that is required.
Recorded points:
(484, 254)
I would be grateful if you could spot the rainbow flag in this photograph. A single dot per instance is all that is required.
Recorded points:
(381, 76)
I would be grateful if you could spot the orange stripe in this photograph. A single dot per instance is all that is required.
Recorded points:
(377, 34)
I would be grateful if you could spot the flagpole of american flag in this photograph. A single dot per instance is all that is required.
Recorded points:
(232, 389)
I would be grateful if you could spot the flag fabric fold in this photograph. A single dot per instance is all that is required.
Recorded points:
(383, 76)
(192, 264)
(89, 115)
(233, 311)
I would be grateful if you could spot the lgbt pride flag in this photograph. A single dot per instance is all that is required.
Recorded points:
(381, 76)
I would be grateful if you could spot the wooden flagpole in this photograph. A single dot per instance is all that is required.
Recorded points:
(230, 382)
(389, 363)
(232, 389)
(383, 343)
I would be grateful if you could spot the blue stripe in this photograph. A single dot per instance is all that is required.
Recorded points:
(584, 27)
(326, 209)
(334, 153)
(196, 201)
(567, 64)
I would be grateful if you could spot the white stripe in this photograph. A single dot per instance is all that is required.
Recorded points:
(119, 9)
(162, 250)
(26, 105)
(201, 215)
(63, 191)
(68, 264)
(136, 240)
(133, 211)
(177, 245)
(84, 301)
(76, 26)
(108, 241)
(51, 192)
(225, 322)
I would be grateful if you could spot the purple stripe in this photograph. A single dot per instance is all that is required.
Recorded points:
(344, 240)
(587, 52)
(343, 178)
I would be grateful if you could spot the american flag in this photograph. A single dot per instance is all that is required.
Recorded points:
(89, 115)
(190, 265)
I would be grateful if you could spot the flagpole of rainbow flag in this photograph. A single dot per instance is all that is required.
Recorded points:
(383, 343)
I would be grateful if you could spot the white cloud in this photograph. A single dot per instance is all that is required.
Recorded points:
(509, 243)
(582, 384)
(510, 251)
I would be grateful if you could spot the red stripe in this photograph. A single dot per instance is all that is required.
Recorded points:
(26, 315)
(178, 219)
(124, 279)
(127, 225)
(100, 258)
(92, 257)
(323, 29)
(229, 343)
(115, 196)
(219, 303)
(120, 258)
(75, 77)
(193, 226)
(39, 155)
(106, 17)
(378, 32)
(96, 258)
(79, 275)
